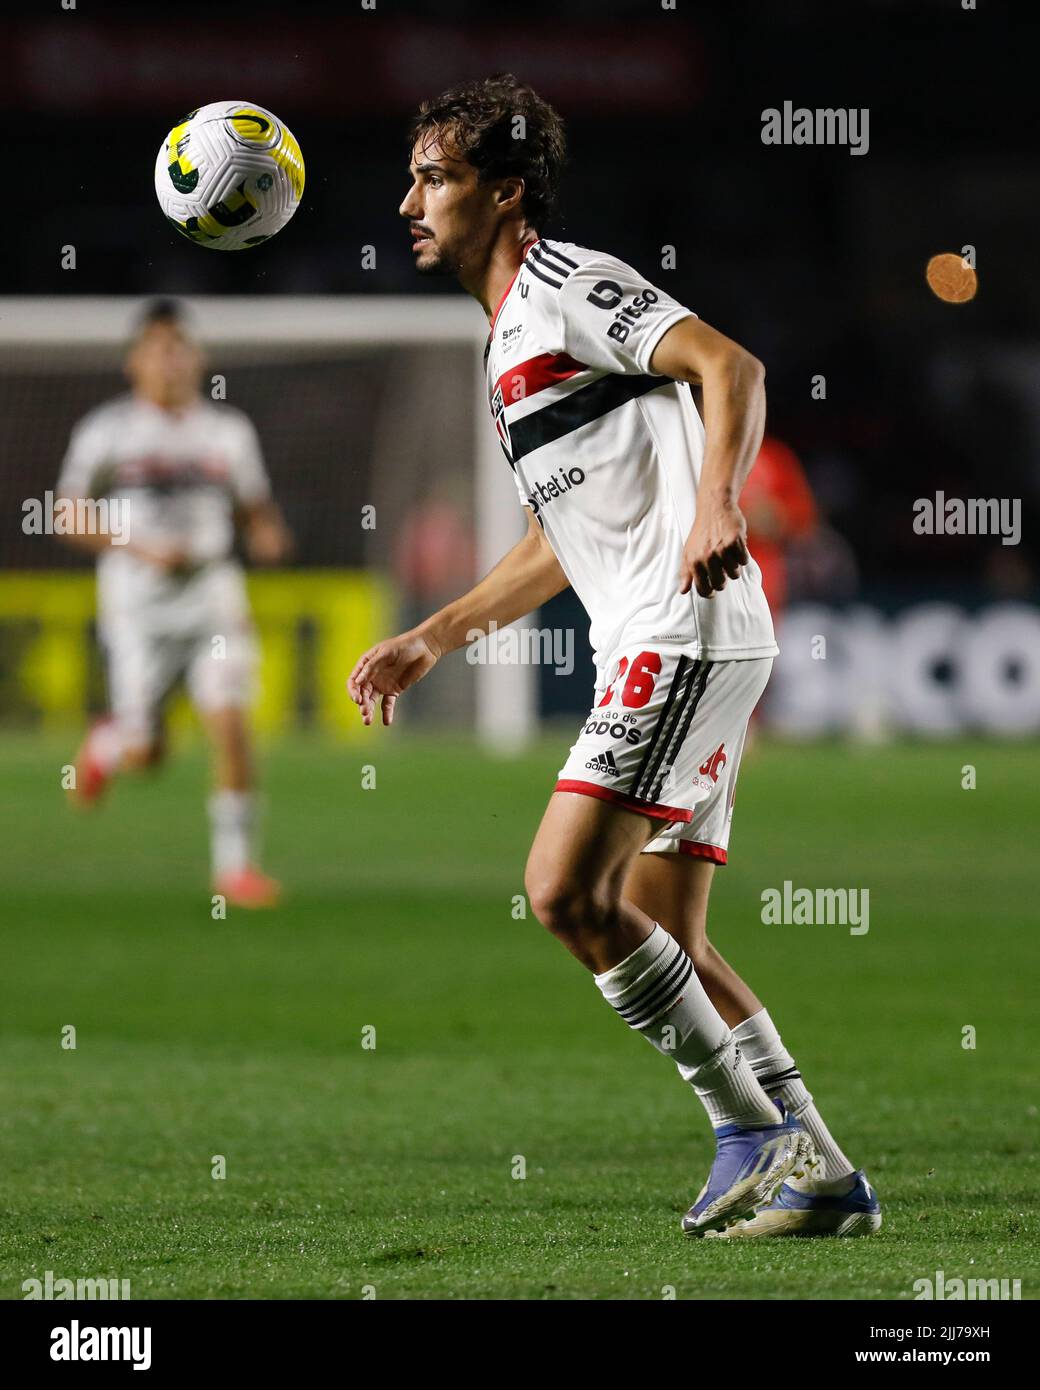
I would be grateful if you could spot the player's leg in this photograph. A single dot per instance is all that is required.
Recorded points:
(674, 890)
(220, 681)
(233, 810)
(594, 827)
(139, 670)
(673, 884)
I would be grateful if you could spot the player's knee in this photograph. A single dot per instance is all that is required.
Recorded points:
(567, 907)
(706, 960)
(699, 949)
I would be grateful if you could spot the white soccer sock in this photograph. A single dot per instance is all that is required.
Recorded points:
(775, 1069)
(231, 819)
(657, 992)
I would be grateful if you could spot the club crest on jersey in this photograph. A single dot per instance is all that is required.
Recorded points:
(498, 411)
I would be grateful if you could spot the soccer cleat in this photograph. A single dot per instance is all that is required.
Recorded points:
(248, 888)
(94, 773)
(794, 1213)
(749, 1168)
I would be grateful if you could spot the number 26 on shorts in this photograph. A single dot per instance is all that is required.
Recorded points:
(640, 683)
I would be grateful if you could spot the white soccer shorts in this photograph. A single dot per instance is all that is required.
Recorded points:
(144, 665)
(664, 737)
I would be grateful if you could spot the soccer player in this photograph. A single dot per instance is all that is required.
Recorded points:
(180, 471)
(780, 509)
(589, 369)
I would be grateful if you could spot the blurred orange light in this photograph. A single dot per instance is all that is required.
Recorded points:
(951, 279)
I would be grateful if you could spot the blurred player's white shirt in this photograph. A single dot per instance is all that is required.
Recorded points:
(608, 455)
(180, 476)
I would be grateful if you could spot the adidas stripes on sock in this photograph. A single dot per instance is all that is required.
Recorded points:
(778, 1076)
(657, 992)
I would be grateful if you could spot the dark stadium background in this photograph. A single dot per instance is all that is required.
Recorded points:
(812, 257)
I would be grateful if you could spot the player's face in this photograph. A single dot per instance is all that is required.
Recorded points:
(452, 214)
(164, 365)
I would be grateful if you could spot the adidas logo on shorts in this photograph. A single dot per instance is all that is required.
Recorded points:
(604, 762)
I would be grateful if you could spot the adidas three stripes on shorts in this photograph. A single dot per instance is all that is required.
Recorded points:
(664, 737)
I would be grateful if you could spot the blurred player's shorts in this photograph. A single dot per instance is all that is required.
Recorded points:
(218, 667)
(664, 737)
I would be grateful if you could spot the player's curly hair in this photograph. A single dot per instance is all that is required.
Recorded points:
(479, 122)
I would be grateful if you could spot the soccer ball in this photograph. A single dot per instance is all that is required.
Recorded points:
(229, 175)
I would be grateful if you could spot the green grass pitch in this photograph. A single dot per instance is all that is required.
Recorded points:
(393, 1168)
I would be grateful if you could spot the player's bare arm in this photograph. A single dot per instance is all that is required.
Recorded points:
(733, 382)
(165, 557)
(268, 540)
(528, 576)
(93, 542)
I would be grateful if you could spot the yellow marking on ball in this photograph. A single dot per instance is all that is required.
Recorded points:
(289, 157)
(174, 138)
(252, 125)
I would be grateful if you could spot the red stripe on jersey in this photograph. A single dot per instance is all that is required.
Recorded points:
(512, 282)
(533, 242)
(658, 812)
(547, 369)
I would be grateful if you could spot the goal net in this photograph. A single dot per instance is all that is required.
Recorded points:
(373, 417)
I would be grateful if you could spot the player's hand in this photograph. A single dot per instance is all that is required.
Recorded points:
(715, 549)
(268, 543)
(388, 669)
(171, 559)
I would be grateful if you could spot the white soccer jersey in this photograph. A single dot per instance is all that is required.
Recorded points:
(179, 476)
(608, 455)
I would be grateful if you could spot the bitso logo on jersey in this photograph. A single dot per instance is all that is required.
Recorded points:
(608, 294)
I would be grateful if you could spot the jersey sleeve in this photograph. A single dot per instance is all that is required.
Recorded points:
(525, 501)
(83, 468)
(612, 318)
(250, 484)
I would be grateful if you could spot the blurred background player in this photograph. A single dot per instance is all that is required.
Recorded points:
(171, 595)
(780, 509)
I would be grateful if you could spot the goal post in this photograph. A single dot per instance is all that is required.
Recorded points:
(51, 337)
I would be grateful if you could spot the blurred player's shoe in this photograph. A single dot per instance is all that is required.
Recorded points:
(248, 888)
(749, 1167)
(96, 761)
(792, 1213)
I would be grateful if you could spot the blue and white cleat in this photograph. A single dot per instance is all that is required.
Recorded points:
(750, 1166)
(794, 1213)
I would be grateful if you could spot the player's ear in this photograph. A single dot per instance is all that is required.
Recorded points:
(509, 193)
